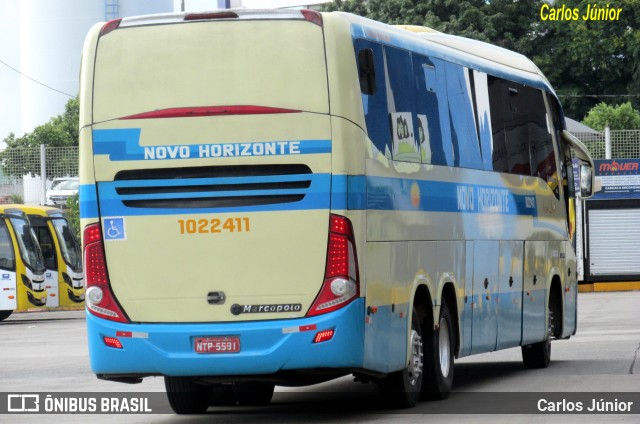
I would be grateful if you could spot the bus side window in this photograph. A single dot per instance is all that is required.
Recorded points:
(7, 257)
(499, 116)
(428, 108)
(464, 137)
(401, 105)
(374, 94)
(522, 142)
(483, 121)
(46, 245)
(543, 157)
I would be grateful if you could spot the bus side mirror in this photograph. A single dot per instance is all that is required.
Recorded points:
(586, 180)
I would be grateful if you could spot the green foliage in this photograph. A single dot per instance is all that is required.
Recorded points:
(357, 7)
(72, 213)
(621, 117)
(583, 60)
(16, 199)
(22, 157)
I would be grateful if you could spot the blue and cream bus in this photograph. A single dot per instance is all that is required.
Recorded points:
(289, 197)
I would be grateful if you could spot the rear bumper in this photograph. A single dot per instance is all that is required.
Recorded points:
(266, 346)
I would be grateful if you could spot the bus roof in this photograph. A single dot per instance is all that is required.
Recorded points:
(31, 209)
(473, 54)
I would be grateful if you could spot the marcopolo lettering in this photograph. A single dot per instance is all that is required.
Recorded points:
(258, 309)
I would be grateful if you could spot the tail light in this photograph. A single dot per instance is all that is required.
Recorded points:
(341, 280)
(110, 26)
(99, 298)
(191, 112)
(312, 16)
(210, 15)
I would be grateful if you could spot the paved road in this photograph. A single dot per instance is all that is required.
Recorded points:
(46, 352)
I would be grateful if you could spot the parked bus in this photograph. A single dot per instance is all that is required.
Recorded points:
(22, 283)
(62, 255)
(289, 197)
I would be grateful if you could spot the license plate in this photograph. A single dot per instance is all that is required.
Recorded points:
(217, 344)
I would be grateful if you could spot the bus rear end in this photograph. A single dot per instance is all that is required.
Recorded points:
(210, 250)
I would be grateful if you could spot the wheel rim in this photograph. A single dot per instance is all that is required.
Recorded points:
(550, 332)
(444, 347)
(416, 362)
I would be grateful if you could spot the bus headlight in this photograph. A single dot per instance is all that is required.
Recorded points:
(26, 281)
(94, 295)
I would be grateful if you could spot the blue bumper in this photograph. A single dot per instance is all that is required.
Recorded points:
(266, 346)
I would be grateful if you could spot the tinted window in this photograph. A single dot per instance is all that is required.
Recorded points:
(464, 138)
(401, 104)
(375, 105)
(429, 134)
(521, 131)
(46, 246)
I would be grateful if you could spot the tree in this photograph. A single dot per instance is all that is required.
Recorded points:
(357, 7)
(583, 59)
(621, 117)
(587, 59)
(22, 156)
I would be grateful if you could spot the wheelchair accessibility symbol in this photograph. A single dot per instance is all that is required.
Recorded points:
(114, 229)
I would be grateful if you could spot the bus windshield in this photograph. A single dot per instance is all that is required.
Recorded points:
(68, 244)
(29, 249)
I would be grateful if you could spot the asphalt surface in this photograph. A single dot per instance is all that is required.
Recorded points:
(46, 352)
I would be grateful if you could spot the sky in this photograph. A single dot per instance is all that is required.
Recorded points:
(42, 40)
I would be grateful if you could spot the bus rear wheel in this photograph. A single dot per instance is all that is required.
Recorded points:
(402, 388)
(439, 357)
(4, 315)
(186, 396)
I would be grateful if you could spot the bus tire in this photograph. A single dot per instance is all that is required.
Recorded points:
(5, 314)
(538, 355)
(186, 396)
(253, 393)
(402, 389)
(439, 357)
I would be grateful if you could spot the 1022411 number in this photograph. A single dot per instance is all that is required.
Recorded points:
(214, 225)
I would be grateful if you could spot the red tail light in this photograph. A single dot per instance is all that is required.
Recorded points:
(341, 281)
(110, 26)
(112, 342)
(190, 112)
(312, 16)
(323, 336)
(98, 298)
(210, 15)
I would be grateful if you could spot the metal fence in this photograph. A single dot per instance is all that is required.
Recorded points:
(22, 169)
(27, 173)
(623, 144)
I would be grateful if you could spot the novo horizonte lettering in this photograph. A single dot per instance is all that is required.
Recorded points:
(269, 148)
